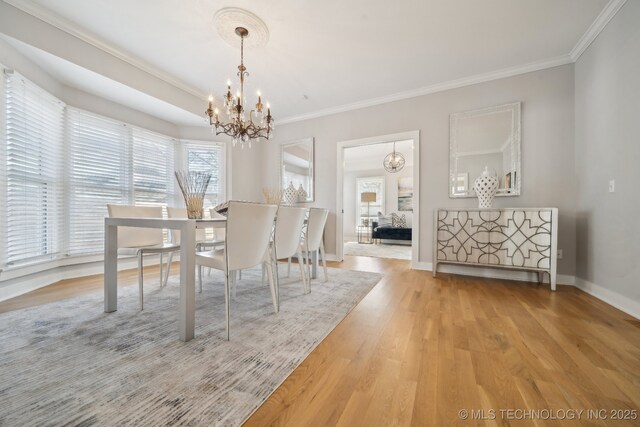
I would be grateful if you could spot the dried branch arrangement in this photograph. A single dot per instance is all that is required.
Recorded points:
(272, 196)
(194, 187)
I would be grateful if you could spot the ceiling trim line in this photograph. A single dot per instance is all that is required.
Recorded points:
(596, 28)
(438, 87)
(74, 30)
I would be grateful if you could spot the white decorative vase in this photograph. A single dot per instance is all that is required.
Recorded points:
(290, 195)
(486, 187)
(302, 194)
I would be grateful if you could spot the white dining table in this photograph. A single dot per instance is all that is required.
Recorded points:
(187, 227)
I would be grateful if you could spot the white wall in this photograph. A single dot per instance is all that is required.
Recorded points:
(607, 90)
(547, 148)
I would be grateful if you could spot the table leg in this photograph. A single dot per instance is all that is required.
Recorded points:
(110, 268)
(187, 314)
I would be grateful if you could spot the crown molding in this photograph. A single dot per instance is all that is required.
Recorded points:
(438, 87)
(74, 30)
(596, 27)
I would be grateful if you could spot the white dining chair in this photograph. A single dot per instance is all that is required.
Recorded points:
(248, 232)
(141, 241)
(313, 241)
(288, 235)
(218, 233)
(202, 242)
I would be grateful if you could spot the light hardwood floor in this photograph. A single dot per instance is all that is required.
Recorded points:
(418, 350)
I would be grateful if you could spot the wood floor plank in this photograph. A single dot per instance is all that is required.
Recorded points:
(419, 349)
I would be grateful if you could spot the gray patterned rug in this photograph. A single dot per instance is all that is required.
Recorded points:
(70, 363)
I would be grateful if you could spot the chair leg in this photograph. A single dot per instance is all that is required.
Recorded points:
(305, 283)
(324, 261)
(263, 273)
(289, 267)
(309, 261)
(276, 275)
(140, 279)
(166, 275)
(226, 299)
(272, 284)
(161, 262)
(239, 274)
(200, 276)
(233, 282)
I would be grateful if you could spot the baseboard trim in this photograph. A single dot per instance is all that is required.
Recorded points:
(621, 302)
(18, 286)
(491, 273)
(614, 299)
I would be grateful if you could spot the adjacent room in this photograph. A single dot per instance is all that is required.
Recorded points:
(294, 213)
(377, 188)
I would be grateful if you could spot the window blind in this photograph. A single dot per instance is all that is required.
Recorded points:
(374, 184)
(61, 166)
(34, 122)
(153, 167)
(208, 157)
(99, 173)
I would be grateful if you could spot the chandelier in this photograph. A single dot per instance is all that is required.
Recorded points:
(240, 125)
(393, 162)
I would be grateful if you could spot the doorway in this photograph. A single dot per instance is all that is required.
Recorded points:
(378, 206)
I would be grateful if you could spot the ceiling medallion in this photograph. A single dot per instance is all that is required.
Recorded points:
(228, 19)
(394, 162)
(240, 124)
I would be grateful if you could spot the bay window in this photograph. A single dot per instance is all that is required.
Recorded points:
(60, 166)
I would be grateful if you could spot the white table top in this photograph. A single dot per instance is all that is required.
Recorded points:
(174, 223)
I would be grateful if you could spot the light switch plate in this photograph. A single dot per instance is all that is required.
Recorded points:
(612, 186)
(560, 253)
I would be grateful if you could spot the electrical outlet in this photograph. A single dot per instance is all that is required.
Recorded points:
(612, 186)
(559, 253)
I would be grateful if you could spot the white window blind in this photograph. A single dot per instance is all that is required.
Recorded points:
(99, 173)
(32, 168)
(60, 166)
(369, 211)
(153, 167)
(208, 157)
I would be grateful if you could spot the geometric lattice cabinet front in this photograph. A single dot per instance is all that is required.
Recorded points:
(520, 239)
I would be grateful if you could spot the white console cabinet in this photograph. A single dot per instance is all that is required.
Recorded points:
(520, 239)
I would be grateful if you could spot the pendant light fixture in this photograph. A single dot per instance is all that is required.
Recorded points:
(241, 125)
(394, 162)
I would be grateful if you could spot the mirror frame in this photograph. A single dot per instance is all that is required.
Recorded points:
(515, 109)
(311, 192)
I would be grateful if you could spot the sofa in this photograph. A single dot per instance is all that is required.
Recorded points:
(390, 233)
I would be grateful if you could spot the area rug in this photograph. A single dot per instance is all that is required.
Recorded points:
(68, 363)
(381, 250)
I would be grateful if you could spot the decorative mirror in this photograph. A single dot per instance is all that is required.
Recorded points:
(489, 137)
(296, 167)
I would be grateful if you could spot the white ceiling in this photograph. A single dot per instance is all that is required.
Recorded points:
(324, 54)
(370, 157)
